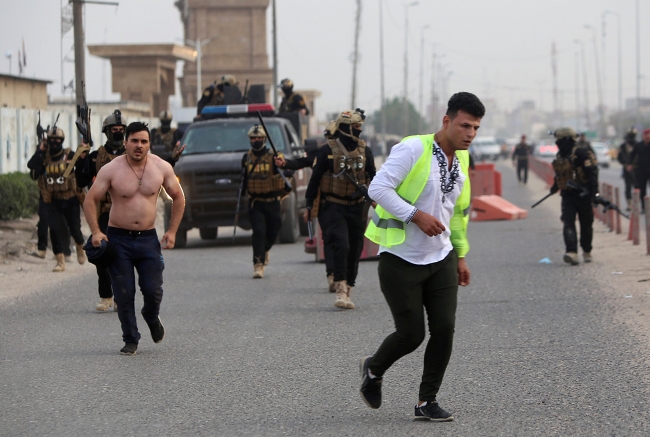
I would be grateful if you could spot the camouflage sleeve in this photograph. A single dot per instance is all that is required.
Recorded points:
(585, 159)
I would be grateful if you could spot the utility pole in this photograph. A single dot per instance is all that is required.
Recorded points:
(434, 103)
(80, 44)
(577, 78)
(275, 58)
(198, 45)
(620, 59)
(554, 67)
(584, 72)
(405, 109)
(421, 90)
(638, 65)
(601, 106)
(355, 56)
(381, 73)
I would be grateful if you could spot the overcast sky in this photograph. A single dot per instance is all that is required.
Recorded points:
(498, 49)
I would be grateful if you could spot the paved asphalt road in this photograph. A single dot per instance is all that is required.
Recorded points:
(537, 352)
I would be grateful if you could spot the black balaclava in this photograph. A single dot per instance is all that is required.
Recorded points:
(55, 148)
(258, 145)
(565, 146)
(630, 138)
(287, 91)
(115, 143)
(349, 140)
(165, 126)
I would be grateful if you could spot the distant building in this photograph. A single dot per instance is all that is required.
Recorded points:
(22, 92)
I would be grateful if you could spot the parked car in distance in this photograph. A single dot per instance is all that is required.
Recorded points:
(602, 154)
(483, 148)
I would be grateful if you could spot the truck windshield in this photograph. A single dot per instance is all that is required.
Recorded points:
(226, 137)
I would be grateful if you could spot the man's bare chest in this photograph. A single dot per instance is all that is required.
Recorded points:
(127, 186)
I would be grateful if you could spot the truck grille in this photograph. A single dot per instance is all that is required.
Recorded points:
(204, 184)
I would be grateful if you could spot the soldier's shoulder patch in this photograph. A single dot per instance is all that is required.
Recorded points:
(588, 163)
(330, 156)
(206, 93)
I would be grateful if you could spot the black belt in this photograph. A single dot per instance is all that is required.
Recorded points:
(126, 233)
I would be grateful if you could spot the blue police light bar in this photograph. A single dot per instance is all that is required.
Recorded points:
(237, 110)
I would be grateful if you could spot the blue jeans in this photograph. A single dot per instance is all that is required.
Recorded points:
(140, 250)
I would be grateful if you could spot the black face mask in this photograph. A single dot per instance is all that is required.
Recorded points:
(257, 144)
(55, 147)
(115, 142)
(356, 132)
(287, 91)
(165, 127)
(565, 146)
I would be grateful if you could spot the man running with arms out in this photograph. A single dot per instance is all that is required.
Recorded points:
(133, 181)
(423, 195)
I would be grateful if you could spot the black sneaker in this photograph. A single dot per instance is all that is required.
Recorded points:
(370, 387)
(432, 411)
(157, 331)
(129, 349)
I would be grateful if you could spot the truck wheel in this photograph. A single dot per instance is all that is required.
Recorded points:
(181, 238)
(208, 233)
(290, 230)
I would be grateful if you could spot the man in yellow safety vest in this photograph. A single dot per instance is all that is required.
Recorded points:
(423, 193)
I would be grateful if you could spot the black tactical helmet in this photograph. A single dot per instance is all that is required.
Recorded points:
(115, 119)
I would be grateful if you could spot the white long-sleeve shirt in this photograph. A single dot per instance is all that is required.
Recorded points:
(418, 247)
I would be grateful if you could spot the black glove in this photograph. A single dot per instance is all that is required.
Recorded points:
(554, 189)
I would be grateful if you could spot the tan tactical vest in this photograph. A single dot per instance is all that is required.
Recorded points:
(52, 184)
(165, 138)
(286, 101)
(337, 187)
(103, 158)
(565, 171)
(261, 180)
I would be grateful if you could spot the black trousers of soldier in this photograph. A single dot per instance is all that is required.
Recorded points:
(345, 227)
(42, 229)
(642, 179)
(266, 221)
(103, 276)
(62, 214)
(628, 177)
(327, 250)
(573, 205)
(522, 167)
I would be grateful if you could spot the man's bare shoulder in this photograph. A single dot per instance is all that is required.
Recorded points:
(160, 163)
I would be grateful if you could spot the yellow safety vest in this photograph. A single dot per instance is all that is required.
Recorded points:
(387, 230)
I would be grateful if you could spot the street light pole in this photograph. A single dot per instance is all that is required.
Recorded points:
(275, 58)
(406, 36)
(198, 45)
(577, 78)
(638, 65)
(584, 77)
(381, 74)
(601, 108)
(620, 59)
(421, 96)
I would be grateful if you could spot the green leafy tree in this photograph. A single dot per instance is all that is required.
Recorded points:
(395, 119)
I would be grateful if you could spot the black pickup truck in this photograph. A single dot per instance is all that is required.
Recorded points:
(210, 172)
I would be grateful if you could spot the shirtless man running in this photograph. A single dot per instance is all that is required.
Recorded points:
(133, 181)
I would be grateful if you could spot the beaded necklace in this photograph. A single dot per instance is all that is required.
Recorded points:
(446, 185)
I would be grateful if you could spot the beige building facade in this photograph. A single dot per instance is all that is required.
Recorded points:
(237, 33)
(21, 92)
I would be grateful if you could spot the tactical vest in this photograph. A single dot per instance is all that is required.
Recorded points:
(166, 139)
(261, 180)
(565, 170)
(337, 187)
(387, 230)
(52, 184)
(286, 103)
(103, 158)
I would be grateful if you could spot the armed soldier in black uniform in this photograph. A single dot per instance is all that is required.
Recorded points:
(342, 172)
(214, 93)
(291, 102)
(625, 152)
(165, 140)
(521, 153)
(113, 127)
(576, 176)
(60, 193)
(265, 186)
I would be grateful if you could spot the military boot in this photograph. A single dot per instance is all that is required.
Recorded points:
(330, 283)
(81, 254)
(587, 257)
(258, 270)
(267, 258)
(571, 258)
(349, 304)
(60, 263)
(39, 253)
(104, 304)
(341, 290)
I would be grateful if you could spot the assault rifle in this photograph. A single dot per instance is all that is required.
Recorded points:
(40, 132)
(542, 199)
(598, 200)
(83, 126)
(287, 185)
(310, 230)
(239, 194)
